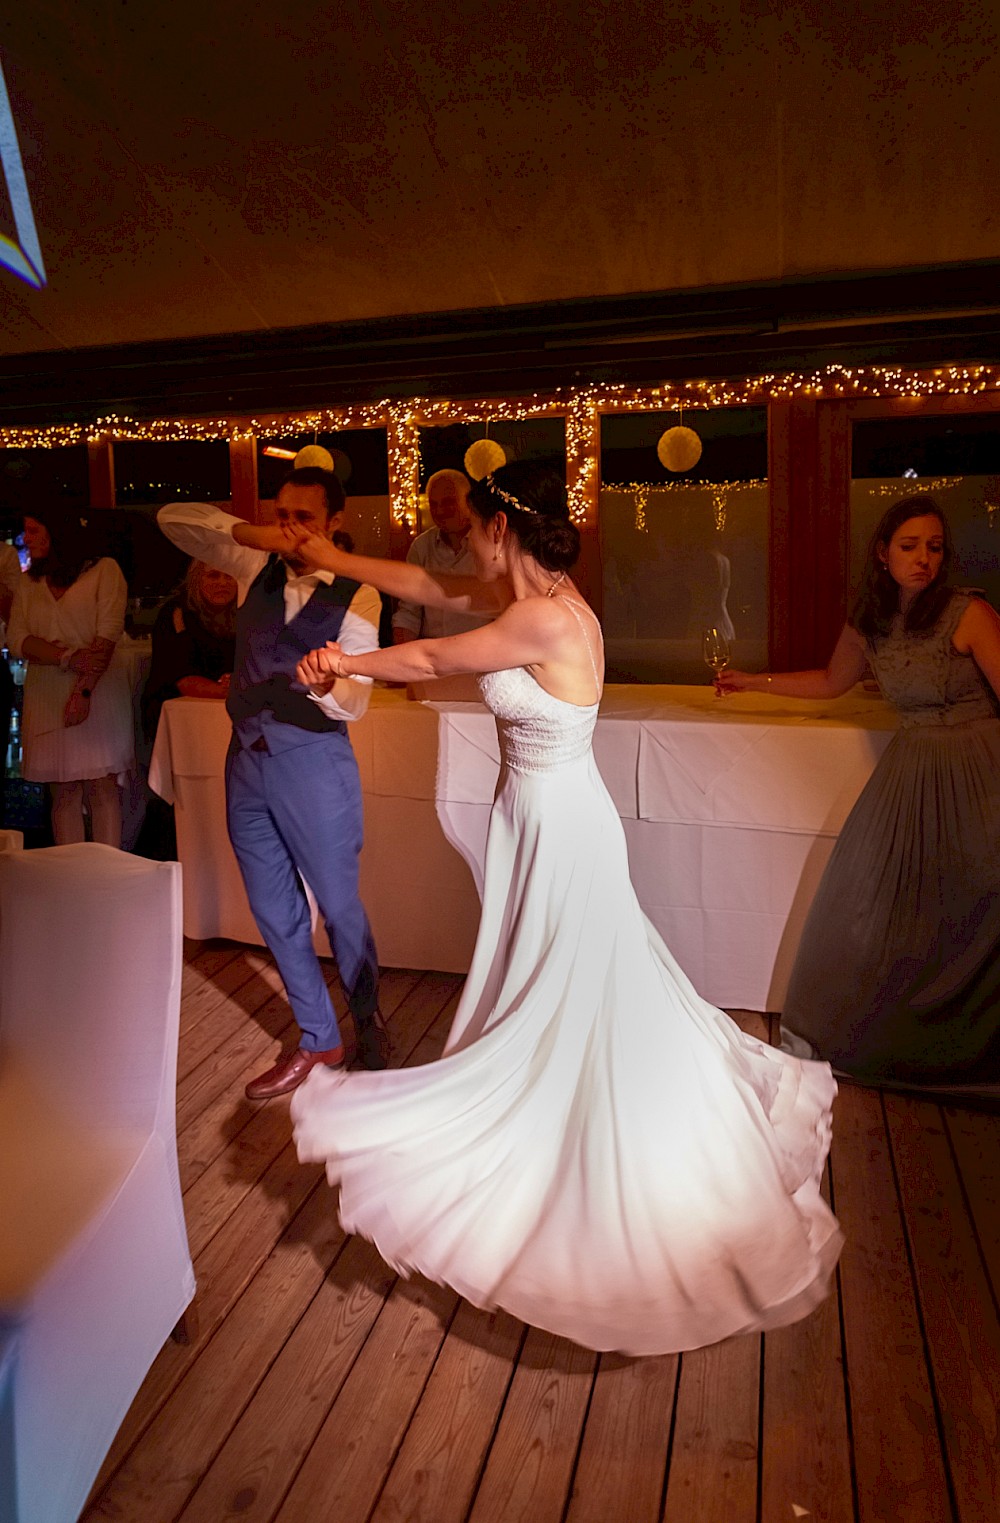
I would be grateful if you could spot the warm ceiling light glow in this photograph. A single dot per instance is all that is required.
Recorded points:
(277, 453)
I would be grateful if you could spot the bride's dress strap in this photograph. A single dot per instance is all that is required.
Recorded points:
(570, 603)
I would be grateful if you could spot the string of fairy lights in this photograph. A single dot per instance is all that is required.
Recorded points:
(719, 491)
(581, 407)
(920, 484)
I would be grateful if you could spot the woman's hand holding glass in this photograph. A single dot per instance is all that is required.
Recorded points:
(731, 681)
(715, 649)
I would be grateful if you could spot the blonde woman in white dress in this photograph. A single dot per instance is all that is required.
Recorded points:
(77, 733)
(599, 1151)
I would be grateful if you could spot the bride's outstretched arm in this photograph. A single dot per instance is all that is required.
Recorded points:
(403, 579)
(522, 636)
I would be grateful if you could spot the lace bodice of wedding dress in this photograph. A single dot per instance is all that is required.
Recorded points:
(538, 732)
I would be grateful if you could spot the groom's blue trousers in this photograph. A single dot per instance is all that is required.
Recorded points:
(297, 814)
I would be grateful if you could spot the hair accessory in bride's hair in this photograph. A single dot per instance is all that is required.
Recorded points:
(508, 498)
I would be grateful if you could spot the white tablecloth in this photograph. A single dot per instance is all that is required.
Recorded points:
(730, 807)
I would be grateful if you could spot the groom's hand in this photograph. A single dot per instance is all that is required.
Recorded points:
(313, 675)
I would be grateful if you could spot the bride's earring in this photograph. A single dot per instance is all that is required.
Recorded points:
(496, 549)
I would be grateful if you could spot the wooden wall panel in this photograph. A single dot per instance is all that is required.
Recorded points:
(792, 472)
(243, 478)
(101, 470)
(832, 546)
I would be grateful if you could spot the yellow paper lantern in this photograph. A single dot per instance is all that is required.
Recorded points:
(314, 455)
(484, 456)
(679, 449)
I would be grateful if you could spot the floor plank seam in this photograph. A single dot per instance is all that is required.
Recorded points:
(845, 1369)
(488, 1448)
(290, 1333)
(398, 1447)
(196, 1353)
(760, 1429)
(922, 1324)
(994, 1289)
(276, 1511)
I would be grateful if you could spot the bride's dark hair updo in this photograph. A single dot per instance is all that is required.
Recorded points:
(534, 500)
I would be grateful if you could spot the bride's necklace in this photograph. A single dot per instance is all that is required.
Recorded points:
(558, 581)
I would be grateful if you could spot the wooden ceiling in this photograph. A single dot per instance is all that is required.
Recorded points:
(356, 173)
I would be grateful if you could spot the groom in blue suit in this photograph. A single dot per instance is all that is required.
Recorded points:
(293, 795)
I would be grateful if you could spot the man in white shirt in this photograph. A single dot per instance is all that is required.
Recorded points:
(293, 796)
(443, 548)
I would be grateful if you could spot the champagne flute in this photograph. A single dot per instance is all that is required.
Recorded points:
(715, 649)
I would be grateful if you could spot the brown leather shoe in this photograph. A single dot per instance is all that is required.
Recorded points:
(372, 1043)
(289, 1072)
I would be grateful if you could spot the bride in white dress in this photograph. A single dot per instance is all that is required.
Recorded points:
(599, 1151)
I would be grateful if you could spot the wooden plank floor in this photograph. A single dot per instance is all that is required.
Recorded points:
(320, 1386)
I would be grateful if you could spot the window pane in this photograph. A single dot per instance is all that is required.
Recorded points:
(41, 475)
(148, 473)
(171, 470)
(687, 551)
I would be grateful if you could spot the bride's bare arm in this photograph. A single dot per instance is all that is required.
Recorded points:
(402, 579)
(529, 633)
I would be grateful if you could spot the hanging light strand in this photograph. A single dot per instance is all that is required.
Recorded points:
(580, 406)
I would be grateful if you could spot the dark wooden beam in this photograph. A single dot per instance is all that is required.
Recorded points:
(912, 317)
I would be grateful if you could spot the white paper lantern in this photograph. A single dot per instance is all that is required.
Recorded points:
(484, 456)
(679, 449)
(313, 455)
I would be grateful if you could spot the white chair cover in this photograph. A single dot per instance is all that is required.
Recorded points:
(95, 1269)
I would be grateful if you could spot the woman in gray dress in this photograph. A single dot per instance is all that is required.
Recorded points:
(897, 978)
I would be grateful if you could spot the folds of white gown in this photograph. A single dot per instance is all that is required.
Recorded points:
(599, 1151)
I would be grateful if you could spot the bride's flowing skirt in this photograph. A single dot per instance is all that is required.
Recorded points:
(600, 1152)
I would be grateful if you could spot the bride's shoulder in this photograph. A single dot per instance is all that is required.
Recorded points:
(531, 610)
